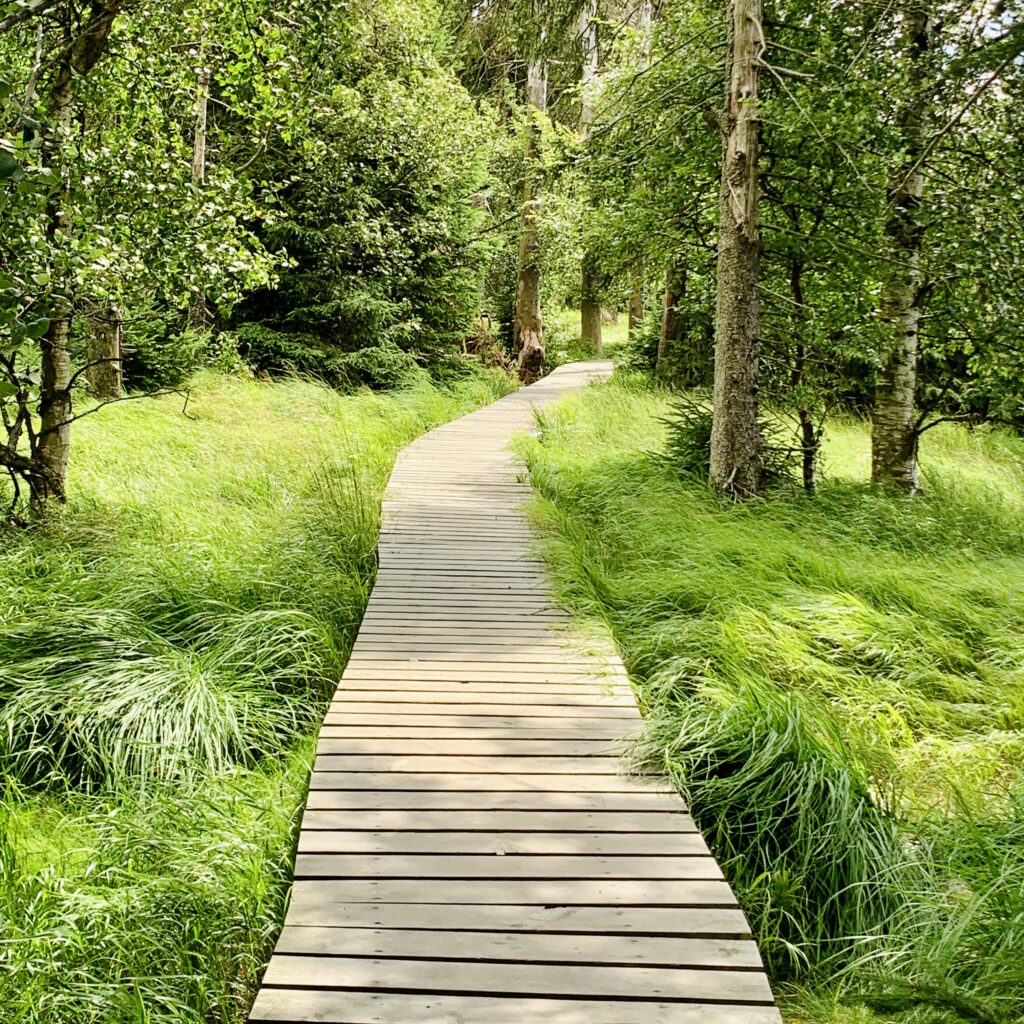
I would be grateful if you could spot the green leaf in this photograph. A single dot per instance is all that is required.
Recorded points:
(37, 328)
(7, 389)
(9, 167)
(30, 129)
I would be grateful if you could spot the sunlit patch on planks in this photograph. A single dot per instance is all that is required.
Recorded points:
(472, 851)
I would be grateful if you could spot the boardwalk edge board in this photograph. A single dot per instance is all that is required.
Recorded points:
(473, 849)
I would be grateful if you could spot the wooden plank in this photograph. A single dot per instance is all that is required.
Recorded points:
(503, 821)
(463, 866)
(298, 1006)
(473, 764)
(626, 921)
(440, 782)
(647, 844)
(471, 747)
(457, 718)
(492, 627)
(453, 615)
(605, 981)
(609, 734)
(382, 693)
(479, 710)
(588, 892)
(321, 799)
(531, 649)
(468, 688)
(520, 946)
(592, 680)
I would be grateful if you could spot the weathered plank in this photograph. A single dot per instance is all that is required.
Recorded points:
(504, 821)
(469, 800)
(505, 765)
(584, 844)
(447, 782)
(297, 1006)
(463, 944)
(530, 866)
(481, 709)
(584, 725)
(610, 735)
(587, 892)
(606, 980)
(625, 921)
(468, 746)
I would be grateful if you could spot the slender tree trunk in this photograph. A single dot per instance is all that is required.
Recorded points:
(590, 307)
(810, 442)
(199, 316)
(53, 441)
(84, 45)
(590, 284)
(671, 322)
(105, 375)
(735, 438)
(894, 434)
(637, 301)
(529, 330)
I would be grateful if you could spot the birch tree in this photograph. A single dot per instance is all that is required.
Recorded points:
(894, 436)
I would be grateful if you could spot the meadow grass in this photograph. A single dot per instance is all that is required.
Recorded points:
(835, 683)
(166, 648)
(562, 336)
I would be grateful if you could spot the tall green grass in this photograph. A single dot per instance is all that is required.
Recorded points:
(166, 648)
(835, 684)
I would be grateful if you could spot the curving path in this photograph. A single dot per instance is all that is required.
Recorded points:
(471, 852)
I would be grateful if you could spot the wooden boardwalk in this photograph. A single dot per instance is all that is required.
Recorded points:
(471, 851)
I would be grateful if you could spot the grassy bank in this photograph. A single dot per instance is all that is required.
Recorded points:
(835, 684)
(165, 651)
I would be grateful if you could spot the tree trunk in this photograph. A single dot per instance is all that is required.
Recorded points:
(529, 330)
(105, 374)
(590, 308)
(52, 448)
(637, 301)
(590, 284)
(810, 442)
(735, 438)
(671, 321)
(199, 316)
(894, 433)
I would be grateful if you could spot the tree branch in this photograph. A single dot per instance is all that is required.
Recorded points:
(18, 17)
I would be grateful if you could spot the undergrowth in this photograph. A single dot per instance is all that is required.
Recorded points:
(166, 647)
(835, 684)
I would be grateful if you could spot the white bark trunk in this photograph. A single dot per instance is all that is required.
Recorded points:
(894, 430)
